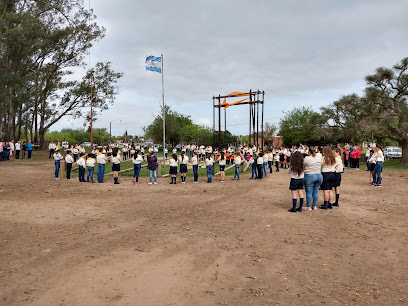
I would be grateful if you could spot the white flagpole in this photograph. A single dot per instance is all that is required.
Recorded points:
(164, 114)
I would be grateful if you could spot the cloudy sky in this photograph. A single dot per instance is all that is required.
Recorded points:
(301, 53)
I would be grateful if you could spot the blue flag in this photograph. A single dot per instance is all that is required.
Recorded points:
(153, 63)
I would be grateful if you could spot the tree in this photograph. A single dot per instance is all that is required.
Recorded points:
(41, 43)
(386, 96)
(174, 123)
(345, 120)
(301, 125)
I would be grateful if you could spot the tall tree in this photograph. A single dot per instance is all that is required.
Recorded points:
(386, 95)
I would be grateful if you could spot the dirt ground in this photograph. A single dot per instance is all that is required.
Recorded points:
(70, 243)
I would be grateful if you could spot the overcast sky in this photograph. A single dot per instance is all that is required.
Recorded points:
(301, 53)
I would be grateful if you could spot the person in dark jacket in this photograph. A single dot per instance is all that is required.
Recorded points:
(152, 166)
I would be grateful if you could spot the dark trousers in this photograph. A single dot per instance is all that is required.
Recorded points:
(270, 166)
(260, 171)
(81, 174)
(17, 154)
(23, 154)
(69, 168)
(29, 153)
(277, 166)
(51, 153)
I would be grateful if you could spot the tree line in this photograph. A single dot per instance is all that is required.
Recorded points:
(380, 115)
(43, 47)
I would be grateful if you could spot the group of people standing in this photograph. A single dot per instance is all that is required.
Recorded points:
(321, 168)
(10, 150)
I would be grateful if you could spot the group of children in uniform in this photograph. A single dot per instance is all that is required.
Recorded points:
(326, 164)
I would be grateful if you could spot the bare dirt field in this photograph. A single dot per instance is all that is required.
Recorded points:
(70, 243)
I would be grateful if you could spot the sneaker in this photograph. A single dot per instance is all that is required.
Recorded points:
(304, 208)
(155, 183)
(314, 208)
(149, 183)
(299, 209)
(378, 185)
(137, 183)
(195, 182)
(336, 204)
(134, 180)
(308, 208)
(292, 210)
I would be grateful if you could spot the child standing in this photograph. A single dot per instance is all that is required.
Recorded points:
(254, 165)
(259, 162)
(237, 163)
(371, 162)
(137, 165)
(68, 162)
(173, 168)
(57, 160)
(222, 164)
(194, 162)
(115, 165)
(152, 166)
(379, 160)
(81, 170)
(337, 175)
(101, 160)
(328, 169)
(297, 173)
(265, 162)
(276, 160)
(209, 161)
(270, 161)
(183, 166)
(90, 165)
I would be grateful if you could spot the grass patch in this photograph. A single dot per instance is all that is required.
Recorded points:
(395, 165)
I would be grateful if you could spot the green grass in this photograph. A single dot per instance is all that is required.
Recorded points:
(395, 165)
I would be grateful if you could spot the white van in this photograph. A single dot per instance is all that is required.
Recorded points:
(392, 152)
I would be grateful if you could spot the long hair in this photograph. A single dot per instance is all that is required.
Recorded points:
(222, 156)
(296, 163)
(312, 151)
(174, 156)
(115, 152)
(136, 153)
(329, 158)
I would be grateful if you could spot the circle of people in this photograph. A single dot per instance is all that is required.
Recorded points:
(311, 168)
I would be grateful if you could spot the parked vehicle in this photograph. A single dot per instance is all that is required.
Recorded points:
(86, 144)
(392, 152)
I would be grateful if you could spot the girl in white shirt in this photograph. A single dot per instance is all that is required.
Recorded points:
(183, 166)
(222, 164)
(337, 174)
(209, 161)
(379, 160)
(137, 165)
(173, 168)
(194, 162)
(115, 165)
(237, 163)
(270, 161)
(57, 160)
(90, 166)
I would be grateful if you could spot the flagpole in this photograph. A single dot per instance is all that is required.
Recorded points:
(164, 114)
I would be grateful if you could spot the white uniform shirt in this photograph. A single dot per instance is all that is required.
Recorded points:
(69, 159)
(184, 160)
(379, 156)
(18, 146)
(265, 158)
(223, 162)
(259, 161)
(209, 161)
(194, 160)
(339, 165)
(81, 162)
(116, 159)
(57, 156)
(90, 162)
(173, 162)
(101, 158)
(237, 160)
(137, 159)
